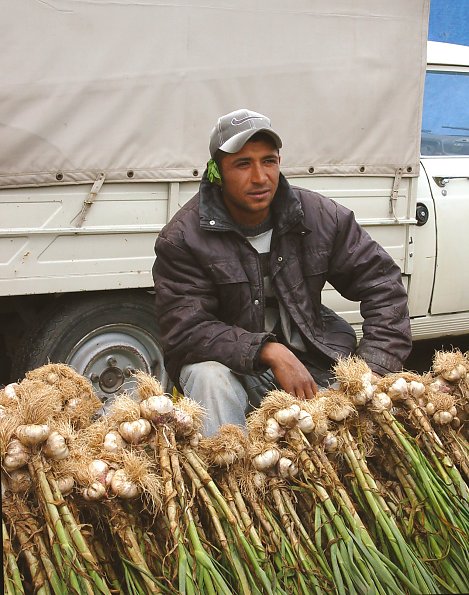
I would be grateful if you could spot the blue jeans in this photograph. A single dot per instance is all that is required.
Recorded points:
(227, 396)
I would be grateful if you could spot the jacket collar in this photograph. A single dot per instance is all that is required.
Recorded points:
(286, 208)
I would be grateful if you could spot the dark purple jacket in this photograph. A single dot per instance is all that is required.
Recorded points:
(209, 286)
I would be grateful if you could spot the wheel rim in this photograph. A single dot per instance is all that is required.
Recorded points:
(109, 355)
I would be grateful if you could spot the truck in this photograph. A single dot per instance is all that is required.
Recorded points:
(105, 113)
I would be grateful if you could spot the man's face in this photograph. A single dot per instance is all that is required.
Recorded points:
(249, 181)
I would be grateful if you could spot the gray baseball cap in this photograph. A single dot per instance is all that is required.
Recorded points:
(233, 131)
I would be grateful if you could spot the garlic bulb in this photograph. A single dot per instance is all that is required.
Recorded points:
(72, 404)
(10, 391)
(360, 399)
(108, 477)
(440, 385)
(32, 434)
(183, 422)
(453, 411)
(305, 422)
(135, 431)
(430, 408)
(122, 486)
(19, 481)
(330, 443)
(55, 447)
(287, 468)
(381, 402)
(65, 484)
(289, 416)
(340, 414)
(113, 442)
(195, 439)
(398, 390)
(98, 469)
(455, 423)
(96, 491)
(273, 430)
(266, 460)
(416, 389)
(455, 374)
(16, 456)
(156, 407)
(442, 417)
(224, 458)
(259, 480)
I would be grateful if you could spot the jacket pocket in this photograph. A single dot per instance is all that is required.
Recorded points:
(226, 272)
(233, 292)
(315, 263)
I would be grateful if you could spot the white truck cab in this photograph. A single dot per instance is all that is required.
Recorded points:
(104, 128)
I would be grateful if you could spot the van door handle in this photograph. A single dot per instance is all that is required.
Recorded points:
(441, 182)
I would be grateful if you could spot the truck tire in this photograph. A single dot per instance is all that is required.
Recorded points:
(104, 337)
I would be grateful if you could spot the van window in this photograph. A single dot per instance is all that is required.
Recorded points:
(445, 124)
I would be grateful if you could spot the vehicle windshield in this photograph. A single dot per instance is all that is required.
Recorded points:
(445, 123)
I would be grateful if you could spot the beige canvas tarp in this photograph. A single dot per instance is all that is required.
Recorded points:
(90, 86)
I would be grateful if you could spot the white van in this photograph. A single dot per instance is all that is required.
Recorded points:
(105, 113)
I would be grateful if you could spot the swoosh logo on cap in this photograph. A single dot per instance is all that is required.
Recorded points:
(237, 122)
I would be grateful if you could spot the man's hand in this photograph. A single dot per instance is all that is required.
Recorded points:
(289, 372)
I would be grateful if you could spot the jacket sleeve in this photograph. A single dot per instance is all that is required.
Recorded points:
(361, 270)
(187, 306)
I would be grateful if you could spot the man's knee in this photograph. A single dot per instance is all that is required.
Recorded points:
(207, 372)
